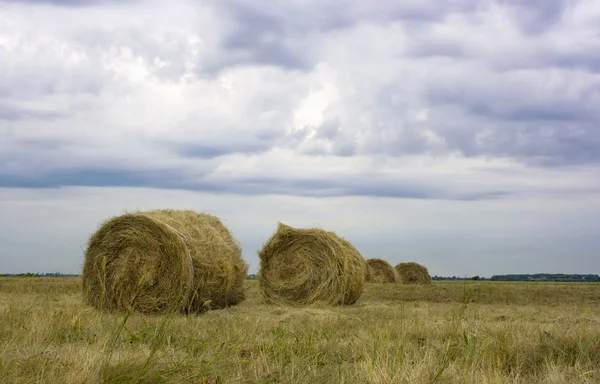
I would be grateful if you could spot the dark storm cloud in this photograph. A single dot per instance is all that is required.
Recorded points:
(331, 187)
(259, 39)
(551, 110)
(519, 119)
(537, 16)
(71, 3)
(208, 151)
(283, 34)
(319, 186)
(358, 185)
(329, 129)
(38, 145)
(156, 178)
(534, 142)
(298, 17)
(423, 47)
(574, 58)
(588, 59)
(13, 113)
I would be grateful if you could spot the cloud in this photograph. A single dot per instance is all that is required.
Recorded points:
(296, 98)
(257, 39)
(537, 16)
(286, 34)
(10, 112)
(70, 3)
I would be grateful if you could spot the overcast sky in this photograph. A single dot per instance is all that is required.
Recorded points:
(464, 135)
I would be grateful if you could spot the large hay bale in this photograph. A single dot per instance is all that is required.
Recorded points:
(380, 271)
(413, 273)
(305, 266)
(163, 260)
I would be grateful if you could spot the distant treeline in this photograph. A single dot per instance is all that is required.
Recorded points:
(528, 277)
(459, 278)
(534, 277)
(36, 275)
(547, 277)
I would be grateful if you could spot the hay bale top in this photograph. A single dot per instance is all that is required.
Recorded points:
(305, 266)
(380, 271)
(413, 273)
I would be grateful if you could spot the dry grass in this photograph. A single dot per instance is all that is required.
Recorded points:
(306, 266)
(444, 332)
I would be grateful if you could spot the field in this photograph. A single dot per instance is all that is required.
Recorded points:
(447, 332)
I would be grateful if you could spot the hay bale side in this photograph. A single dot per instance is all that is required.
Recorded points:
(163, 260)
(380, 271)
(305, 266)
(219, 270)
(413, 273)
(136, 262)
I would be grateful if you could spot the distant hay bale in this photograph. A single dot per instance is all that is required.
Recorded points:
(380, 271)
(163, 260)
(368, 273)
(305, 266)
(413, 273)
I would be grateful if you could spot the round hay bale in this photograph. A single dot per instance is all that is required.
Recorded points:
(305, 266)
(163, 260)
(380, 271)
(368, 273)
(413, 273)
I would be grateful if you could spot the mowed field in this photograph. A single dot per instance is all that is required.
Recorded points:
(446, 332)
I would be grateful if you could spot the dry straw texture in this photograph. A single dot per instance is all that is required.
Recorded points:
(305, 266)
(413, 273)
(380, 271)
(163, 260)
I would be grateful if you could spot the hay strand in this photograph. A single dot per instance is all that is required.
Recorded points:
(413, 273)
(380, 271)
(305, 266)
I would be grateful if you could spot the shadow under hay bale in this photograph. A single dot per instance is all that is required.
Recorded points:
(305, 266)
(413, 273)
(163, 260)
(380, 271)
